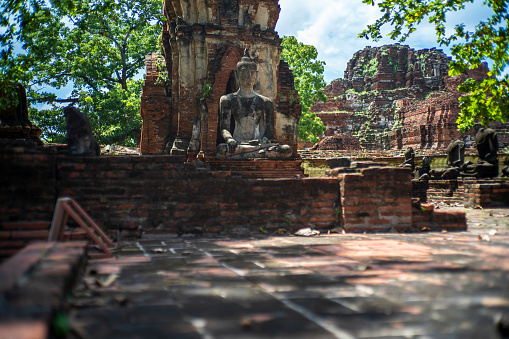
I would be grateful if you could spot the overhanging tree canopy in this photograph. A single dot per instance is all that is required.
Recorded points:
(97, 46)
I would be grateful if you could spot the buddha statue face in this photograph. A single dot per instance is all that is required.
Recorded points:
(246, 71)
(247, 77)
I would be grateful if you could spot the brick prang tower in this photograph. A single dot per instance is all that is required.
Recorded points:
(202, 41)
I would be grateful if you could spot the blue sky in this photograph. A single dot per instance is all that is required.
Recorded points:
(332, 27)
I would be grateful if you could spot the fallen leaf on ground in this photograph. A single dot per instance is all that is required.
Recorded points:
(160, 250)
(246, 323)
(108, 281)
(484, 237)
(307, 232)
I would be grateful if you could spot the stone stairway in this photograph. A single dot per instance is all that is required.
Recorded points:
(34, 284)
(16, 235)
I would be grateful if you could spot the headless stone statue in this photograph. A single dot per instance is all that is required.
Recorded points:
(486, 142)
(505, 171)
(409, 159)
(253, 115)
(455, 158)
(423, 171)
(80, 139)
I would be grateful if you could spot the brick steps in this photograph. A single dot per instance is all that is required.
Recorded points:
(34, 284)
(259, 168)
(16, 235)
(269, 174)
(438, 220)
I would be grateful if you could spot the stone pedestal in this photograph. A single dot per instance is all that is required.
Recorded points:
(259, 168)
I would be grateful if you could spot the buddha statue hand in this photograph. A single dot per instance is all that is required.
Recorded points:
(232, 145)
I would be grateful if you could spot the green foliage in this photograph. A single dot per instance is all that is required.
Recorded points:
(394, 64)
(486, 101)
(207, 89)
(60, 325)
(114, 116)
(308, 74)
(97, 46)
(370, 68)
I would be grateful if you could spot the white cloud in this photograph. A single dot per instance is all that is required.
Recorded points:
(332, 26)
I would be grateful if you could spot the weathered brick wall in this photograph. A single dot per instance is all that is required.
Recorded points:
(27, 193)
(158, 126)
(469, 192)
(377, 199)
(438, 220)
(132, 194)
(420, 189)
(486, 193)
(163, 194)
(288, 108)
(448, 191)
(27, 181)
(14, 121)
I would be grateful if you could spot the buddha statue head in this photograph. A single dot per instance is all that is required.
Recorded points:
(246, 71)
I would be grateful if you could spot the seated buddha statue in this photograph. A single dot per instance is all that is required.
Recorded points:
(253, 115)
(486, 141)
(455, 158)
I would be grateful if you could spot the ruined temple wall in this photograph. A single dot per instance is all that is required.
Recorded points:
(132, 195)
(160, 195)
(403, 93)
(14, 120)
(155, 108)
(153, 194)
(377, 199)
(287, 109)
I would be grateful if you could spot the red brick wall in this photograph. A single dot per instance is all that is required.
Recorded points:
(27, 181)
(486, 193)
(448, 191)
(377, 199)
(153, 193)
(219, 79)
(155, 110)
(438, 220)
(163, 194)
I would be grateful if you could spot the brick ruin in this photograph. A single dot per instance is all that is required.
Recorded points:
(132, 196)
(394, 97)
(201, 45)
(14, 120)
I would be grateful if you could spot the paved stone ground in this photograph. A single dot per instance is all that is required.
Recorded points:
(427, 285)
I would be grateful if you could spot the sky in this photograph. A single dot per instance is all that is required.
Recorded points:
(332, 26)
